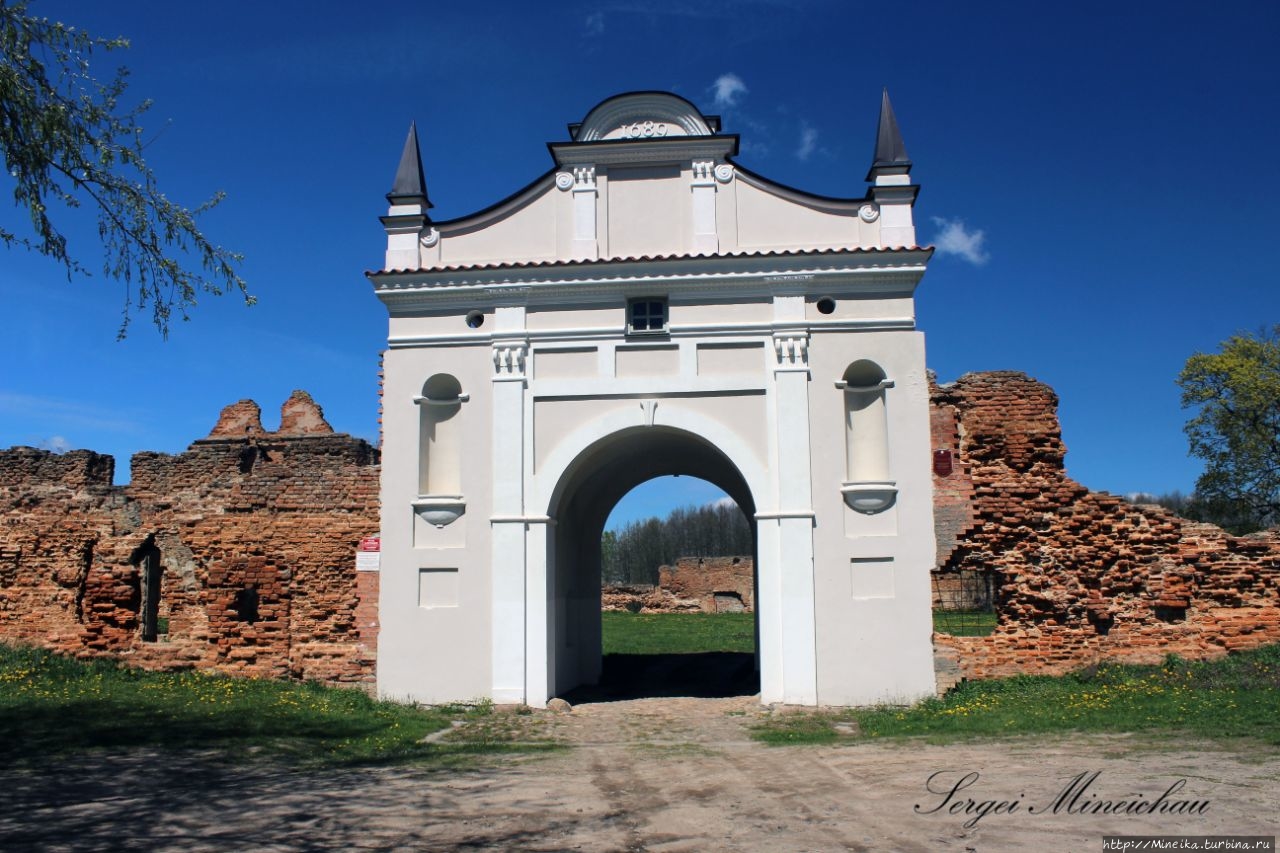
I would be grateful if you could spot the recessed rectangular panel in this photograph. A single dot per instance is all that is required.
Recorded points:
(872, 577)
(437, 587)
(648, 361)
(721, 359)
(578, 363)
(647, 211)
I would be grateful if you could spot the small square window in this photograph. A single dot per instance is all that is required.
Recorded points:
(647, 315)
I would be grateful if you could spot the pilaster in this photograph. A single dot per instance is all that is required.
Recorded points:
(705, 239)
(793, 516)
(509, 357)
(581, 183)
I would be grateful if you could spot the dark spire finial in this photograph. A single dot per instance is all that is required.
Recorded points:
(891, 152)
(410, 185)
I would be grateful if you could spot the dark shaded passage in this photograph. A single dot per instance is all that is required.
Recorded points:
(702, 675)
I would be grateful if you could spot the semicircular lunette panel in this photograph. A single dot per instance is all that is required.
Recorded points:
(642, 115)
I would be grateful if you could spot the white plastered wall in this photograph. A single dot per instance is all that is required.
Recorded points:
(498, 603)
(435, 591)
(874, 628)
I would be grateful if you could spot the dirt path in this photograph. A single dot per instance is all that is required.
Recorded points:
(651, 775)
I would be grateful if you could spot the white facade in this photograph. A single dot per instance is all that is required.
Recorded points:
(519, 404)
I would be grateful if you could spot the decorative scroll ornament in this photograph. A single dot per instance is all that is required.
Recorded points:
(791, 350)
(508, 359)
(430, 237)
(564, 180)
(584, 177)
(724, 173)
(869, 212)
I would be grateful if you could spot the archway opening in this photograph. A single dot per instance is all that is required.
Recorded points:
(649, 640)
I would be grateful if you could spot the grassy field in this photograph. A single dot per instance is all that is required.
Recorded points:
(964, 623)
(626, 633)
(680, 633)
(52, 705)
(1235, 697)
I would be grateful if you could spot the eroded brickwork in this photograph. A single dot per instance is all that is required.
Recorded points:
(256, 534)
(1083, 576)
(693, 584)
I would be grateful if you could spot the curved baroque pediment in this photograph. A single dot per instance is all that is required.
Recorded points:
(642, 115)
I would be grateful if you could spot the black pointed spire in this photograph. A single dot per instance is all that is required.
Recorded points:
(410, 185)
(891, 152)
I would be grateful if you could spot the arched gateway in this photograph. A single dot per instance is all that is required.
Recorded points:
(649, 307)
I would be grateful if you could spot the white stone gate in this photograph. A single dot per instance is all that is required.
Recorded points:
(650, 307)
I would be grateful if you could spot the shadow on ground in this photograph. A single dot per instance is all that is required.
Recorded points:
(148, 800)
(705, 675)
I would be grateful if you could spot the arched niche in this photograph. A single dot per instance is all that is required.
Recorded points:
(868, 485)
(150, 572)
(440, 449)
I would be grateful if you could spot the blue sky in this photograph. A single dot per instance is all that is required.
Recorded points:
(1102, 181)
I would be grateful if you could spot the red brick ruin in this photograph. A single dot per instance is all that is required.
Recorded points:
(239, 555)
(1079, 576)
(692, 585)
(236, 556)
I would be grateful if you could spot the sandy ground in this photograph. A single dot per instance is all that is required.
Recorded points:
(648, 775)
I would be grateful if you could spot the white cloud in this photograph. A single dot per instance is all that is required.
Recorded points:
(956, 239)
(56, 443)
(728, 89)
(723, 501)
(595, 24)
(808, 141)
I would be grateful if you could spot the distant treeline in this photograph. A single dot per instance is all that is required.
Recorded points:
(634, 553)
(1232, 516)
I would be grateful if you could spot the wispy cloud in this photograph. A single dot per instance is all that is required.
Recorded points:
(724, 501)
(808, 141)
(955, 238)
(594, 25)
(59, 413)
(56, 443)
(728, 90)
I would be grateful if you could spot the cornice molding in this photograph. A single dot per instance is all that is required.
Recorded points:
(756, 331)
(883, 273)
(849, 206)
(620, 152)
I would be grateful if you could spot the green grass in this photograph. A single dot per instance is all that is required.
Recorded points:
(676, 633)
(1235, 697)
(52, 705)
(964, 623)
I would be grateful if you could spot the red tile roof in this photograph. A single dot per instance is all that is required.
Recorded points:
(766, 253)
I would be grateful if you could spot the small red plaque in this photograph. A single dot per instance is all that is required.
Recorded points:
(370, 543)
(942, 462)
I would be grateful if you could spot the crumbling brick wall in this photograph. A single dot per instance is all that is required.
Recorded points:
(58, 583)
(952, 480)
(256, 533)
(1084, 576)
(693, 584)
